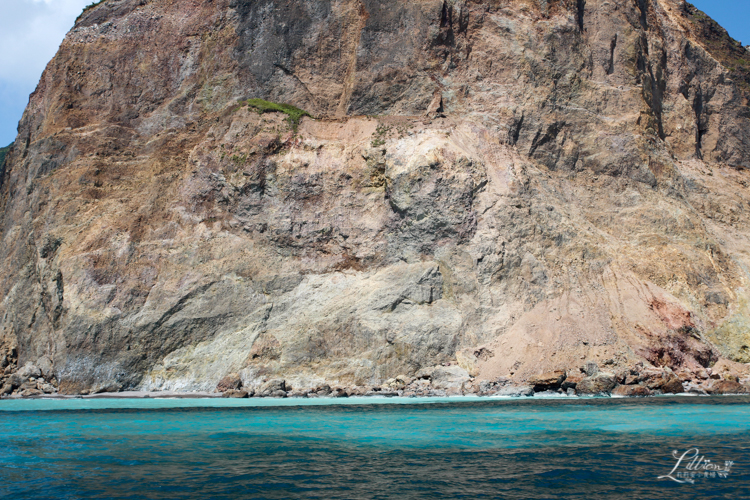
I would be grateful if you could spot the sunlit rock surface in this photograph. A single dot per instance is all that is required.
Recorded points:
(512, 187)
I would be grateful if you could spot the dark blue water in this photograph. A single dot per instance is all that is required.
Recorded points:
(530, 448)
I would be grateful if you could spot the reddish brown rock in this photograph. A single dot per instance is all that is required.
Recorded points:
(631, 390)
(730, 371)
(651, 377)
(686, 376)
(547, 381)
(727, 387)
(231, 382)
(631, 379)
(572, 379)
(234, 393)
(663, 380)
(671, 385)
(599, 383)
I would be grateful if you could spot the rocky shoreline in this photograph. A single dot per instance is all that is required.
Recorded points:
(725, 378)
(419, 198)
(588, 380)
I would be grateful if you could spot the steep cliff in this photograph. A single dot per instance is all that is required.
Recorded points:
(3, 154)
(513, 186)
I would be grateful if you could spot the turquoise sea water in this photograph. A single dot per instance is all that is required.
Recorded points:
(460, 448)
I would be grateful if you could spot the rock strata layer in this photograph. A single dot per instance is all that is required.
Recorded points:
(485, 197)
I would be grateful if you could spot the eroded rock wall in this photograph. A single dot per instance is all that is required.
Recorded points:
(512, 186)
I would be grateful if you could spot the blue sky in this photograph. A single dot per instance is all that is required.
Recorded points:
(733, 15)
(31, 31)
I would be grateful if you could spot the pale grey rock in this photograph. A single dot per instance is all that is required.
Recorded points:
(449, 378)
(47, 388)
(29, 384)
(16, 380)
(485, 386)
(590, 368)
(426, 373)
(273, 385)
(598, 383)
(44, 364)
(693, 388)
(547, 393)
(515, 391)
(30, 370)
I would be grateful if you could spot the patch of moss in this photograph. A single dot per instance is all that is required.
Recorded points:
(294, 114)
(380, 135)
(4, 153)
(240, 159)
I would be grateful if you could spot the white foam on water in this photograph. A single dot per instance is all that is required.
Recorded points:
(114, 403)
(160, 403)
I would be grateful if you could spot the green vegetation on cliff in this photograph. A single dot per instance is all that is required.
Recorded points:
(93, 4)
(90, 6)
(3, 153)
(295, 114)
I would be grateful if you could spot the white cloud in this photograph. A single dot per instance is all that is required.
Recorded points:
(30, 33)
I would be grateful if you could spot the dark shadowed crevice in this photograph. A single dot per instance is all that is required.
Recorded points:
(699, 129)
(643, 8)
(612, 46)
(446, 18)
(542, 138)
(515, 130)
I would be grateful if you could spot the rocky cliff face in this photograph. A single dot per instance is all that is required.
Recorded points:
(510, 186)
